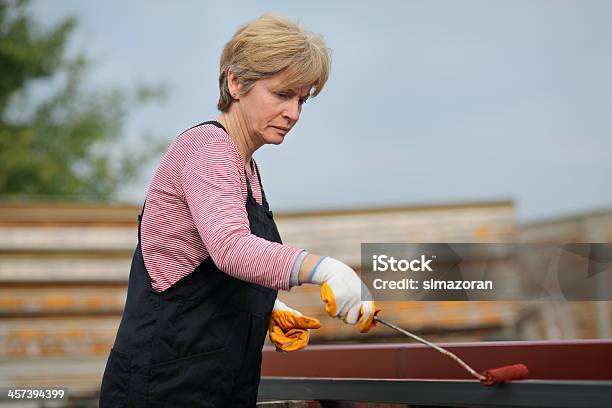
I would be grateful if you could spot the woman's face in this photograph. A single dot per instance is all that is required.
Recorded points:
(270, 110)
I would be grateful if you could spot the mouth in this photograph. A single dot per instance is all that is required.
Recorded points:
(281, 128)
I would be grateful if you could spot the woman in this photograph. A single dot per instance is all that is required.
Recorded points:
(205, 274)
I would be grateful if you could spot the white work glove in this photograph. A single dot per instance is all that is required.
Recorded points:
(341, 291)
(288, 329)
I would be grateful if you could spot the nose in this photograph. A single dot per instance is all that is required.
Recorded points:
(292, 110)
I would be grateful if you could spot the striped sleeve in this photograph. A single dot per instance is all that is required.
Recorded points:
(212, 187)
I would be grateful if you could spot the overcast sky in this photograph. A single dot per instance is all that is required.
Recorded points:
(428, 101)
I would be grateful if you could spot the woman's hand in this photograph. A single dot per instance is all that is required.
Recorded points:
(343, 293)
(288, 328)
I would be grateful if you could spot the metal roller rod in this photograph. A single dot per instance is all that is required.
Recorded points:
(434, 346)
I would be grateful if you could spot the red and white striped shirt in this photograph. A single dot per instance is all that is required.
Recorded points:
(196, 208)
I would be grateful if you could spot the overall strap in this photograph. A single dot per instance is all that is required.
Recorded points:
(263, 194)
(248, 183)
(208, 122)
(140, 218)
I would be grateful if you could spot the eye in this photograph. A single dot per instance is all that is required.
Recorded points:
(303, 100)
(282, 95)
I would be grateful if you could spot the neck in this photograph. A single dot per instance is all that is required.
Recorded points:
(237, 127)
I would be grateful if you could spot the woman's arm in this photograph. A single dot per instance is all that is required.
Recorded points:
(213, 187)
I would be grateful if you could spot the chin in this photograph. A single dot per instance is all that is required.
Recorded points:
(275, 139)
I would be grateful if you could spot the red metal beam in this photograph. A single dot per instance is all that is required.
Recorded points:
(547, 360)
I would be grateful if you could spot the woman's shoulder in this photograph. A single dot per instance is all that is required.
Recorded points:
(202, 136)
(206, 132)
(203, 143)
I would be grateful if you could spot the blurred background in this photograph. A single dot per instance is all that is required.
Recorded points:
(442, 121)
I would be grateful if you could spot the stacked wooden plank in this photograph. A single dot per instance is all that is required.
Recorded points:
(63, 276)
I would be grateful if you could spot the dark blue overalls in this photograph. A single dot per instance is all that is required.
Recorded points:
(196, 344)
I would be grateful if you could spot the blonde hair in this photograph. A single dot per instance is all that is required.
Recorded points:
(270, 45)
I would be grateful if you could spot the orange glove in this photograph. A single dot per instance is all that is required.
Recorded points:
(288, 328)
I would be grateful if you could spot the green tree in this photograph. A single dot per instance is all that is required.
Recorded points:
(65, 143)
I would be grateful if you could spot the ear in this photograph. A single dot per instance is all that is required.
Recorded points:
(233, 84)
